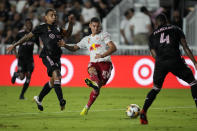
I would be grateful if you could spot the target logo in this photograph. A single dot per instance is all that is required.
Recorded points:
(111, 76)
(143, 71)
(13, 69)
(189, 62)
(66, 70)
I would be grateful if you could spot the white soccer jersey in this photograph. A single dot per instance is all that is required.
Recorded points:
(96, 45)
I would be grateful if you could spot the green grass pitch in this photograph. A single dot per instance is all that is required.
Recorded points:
(173, 110)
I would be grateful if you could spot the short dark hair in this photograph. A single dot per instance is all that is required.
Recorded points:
(162, 19)
(132, 10)
(95, 19)
(49, 10)
(143, 9)
(126, 13)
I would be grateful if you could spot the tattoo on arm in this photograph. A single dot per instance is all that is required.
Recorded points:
(24, 39)
(72, 48)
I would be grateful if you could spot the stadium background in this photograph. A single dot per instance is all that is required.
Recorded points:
(133, 66)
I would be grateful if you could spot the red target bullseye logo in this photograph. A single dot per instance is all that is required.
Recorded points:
(13, 69)
(66, 70)
(189, 62)
(143, 71)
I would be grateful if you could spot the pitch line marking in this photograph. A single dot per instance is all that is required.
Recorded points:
(106, 110)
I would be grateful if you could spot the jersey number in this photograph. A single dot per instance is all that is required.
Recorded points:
(164, 40)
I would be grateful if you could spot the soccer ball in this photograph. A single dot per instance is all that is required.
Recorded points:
(133, 111)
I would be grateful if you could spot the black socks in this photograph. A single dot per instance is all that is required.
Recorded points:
(45, 90)
(150, 98)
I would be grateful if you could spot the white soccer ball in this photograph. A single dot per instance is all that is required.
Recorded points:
(133, 111)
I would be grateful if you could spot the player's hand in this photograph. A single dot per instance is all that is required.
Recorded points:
(61, 43)
(98, 56)
(9, 49)
(71, 18)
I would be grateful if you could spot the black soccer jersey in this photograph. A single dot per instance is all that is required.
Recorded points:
(25, 50)
(50, 35)
(166, 40)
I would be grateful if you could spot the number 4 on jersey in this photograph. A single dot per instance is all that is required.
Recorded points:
(164, 40)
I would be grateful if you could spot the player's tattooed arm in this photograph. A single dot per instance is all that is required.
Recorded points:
(68, 32)
(112, 49)
(19, 42)
(153, 53)
(188, 52)
(70, 48)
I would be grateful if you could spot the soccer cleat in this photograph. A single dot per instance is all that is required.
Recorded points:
(84, 111)
(13, 78)
(62, 104)
(21, 97)
(143, 118)
(39, 104)
(92, 84)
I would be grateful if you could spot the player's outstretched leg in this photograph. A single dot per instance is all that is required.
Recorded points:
(95, 84)
(149, 100)
(38, 99)
(93, 95)
(15, 75)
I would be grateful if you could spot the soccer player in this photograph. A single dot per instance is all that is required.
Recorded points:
(50, 34)
(164, 46)
(100, 47)
(25, 58)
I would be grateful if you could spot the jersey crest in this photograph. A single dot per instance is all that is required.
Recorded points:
(94, 46)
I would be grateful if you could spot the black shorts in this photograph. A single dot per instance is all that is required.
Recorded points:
(177, 67)
(51, 64)
(25, 65)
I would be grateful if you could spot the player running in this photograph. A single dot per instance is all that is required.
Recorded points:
(50, 34)
(100, 47)
(25, 58)
(164, 46)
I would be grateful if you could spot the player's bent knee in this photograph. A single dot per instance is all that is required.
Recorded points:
(92, 71)
(56, 74)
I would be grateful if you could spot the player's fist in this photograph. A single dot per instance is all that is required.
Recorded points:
(61, 43)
